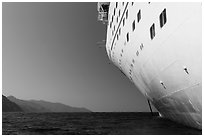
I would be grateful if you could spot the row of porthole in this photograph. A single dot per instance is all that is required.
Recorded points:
(133, 25)
(152, 34)
(117, 21)
(118, 38)
(131, 68)
(133, 61)
(152, 28)
(162, 20)
(141, 46)
(127, 37)
(114, 14)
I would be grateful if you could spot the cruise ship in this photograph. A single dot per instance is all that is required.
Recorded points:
(158, 46)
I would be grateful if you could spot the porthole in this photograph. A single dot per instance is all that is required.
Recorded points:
(137, 53)
(162, 18)
(127, 36)
(152, 31)
(138, 16)
(133, 25)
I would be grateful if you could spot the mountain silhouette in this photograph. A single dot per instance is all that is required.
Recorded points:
(44, 106)
(9, 106)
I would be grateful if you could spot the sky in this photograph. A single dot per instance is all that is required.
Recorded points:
(50, 52)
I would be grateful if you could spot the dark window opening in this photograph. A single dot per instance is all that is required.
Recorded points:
(123, 3)
(139, 16)
(141, 46)
(152, 31)
(119, 13)
(127, 37)
(126, 14)
(133, 25)
(114, 12)
(132, 3)
(117, 19)
(117, 36)
(162, 18)
(116, 4)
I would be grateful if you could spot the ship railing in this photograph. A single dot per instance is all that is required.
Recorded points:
(103, 8)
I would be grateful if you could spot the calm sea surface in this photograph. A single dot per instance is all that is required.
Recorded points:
(90, 123)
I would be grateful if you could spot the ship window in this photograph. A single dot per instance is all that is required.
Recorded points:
(116, 4)
(138, 15)
(123, 21)
(127, 36)
(152, 31)
(132, 3)
(126, 14)
(133, 25)
(117, 19)
(123, 3)
(141, 46)
(162, 18)
(110, 24)
(117, 36)
(114, 12)
(119, 13)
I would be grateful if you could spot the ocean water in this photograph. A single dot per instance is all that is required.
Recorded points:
(99, 123)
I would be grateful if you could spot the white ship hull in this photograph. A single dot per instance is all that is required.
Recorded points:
(167, 68)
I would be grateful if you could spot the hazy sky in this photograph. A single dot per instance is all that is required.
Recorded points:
(50, 52)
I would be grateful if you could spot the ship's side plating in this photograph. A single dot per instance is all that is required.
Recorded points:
(158, 47)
